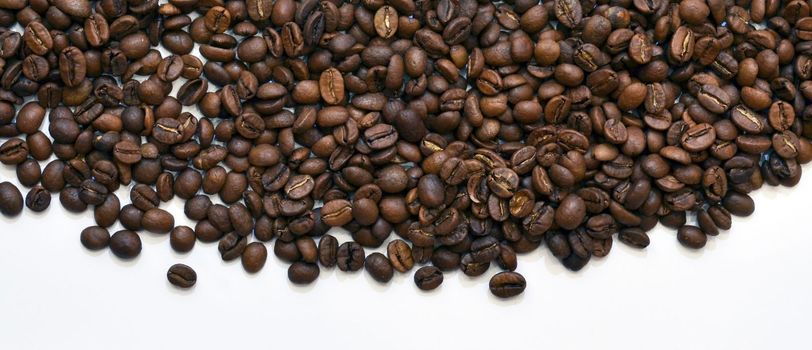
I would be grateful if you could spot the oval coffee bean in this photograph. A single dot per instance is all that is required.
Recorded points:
(181, 276)
(507, 284)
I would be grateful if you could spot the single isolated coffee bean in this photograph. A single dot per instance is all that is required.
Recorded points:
(181, 276)
(507, 284)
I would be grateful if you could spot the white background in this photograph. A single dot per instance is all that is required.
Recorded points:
(749, 288)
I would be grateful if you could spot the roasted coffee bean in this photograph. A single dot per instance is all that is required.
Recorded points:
(12, 200)
(386, 21)
(400, 255)
(38, 199)
(507, 284)
(231, 246)
(181, 276)
(157, 220)
(303, 273)
(336, 212)
(331, 86)
(691, 237)
(95, 238)
(379, 267)
(328, 251)
(350, 256)
(568, 12)
(428, 278)
(125, 244)
(182, 239)
(92, 192)
(254, 256)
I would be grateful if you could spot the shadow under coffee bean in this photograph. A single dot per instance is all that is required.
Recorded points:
(475, 131)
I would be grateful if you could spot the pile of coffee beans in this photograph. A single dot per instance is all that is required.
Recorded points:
(473, 130)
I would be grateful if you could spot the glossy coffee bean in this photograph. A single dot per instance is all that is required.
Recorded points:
(11, 200)
(181, 276)
(125, 244)
(428, 278)
(379, 267)
(507, 284)
(95, 238)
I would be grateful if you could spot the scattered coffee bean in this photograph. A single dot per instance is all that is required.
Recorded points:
(428, 278)
(507, 284)
(181, 276)
(11, 200)
(95, 238)
(125, 244)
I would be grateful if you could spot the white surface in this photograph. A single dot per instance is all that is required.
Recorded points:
(748, 289)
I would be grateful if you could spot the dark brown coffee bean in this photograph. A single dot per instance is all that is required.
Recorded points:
(254, 256)
(739, 204)
(336, 212)
(303, 273)
(37, 38)
(182, 239)
(691, 237)
(507, 284)
(38, 199)
(157, 220)
(379, 267)
(181, 276)
(125, 244)
(350, 256)
(428, 278)
(571, 212)
(95, 238)
(568, 12)
(11, 200)
(328, 251)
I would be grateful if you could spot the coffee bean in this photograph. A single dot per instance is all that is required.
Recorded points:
(336, 212)
(428, 278)
(38, 199)
(400, 255)
(95, 238)
(231, 246)
(386, 21)
(181, 276)
(691, 237)
(328, 251)
(157, 220)
(254, 256)
(182, 239)
(303, 273)
(259, 10)
(568, 12)
(12, 200)
(350, 256)
(125, 244)
(331, 86)
(379, 267)
(507, 284)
